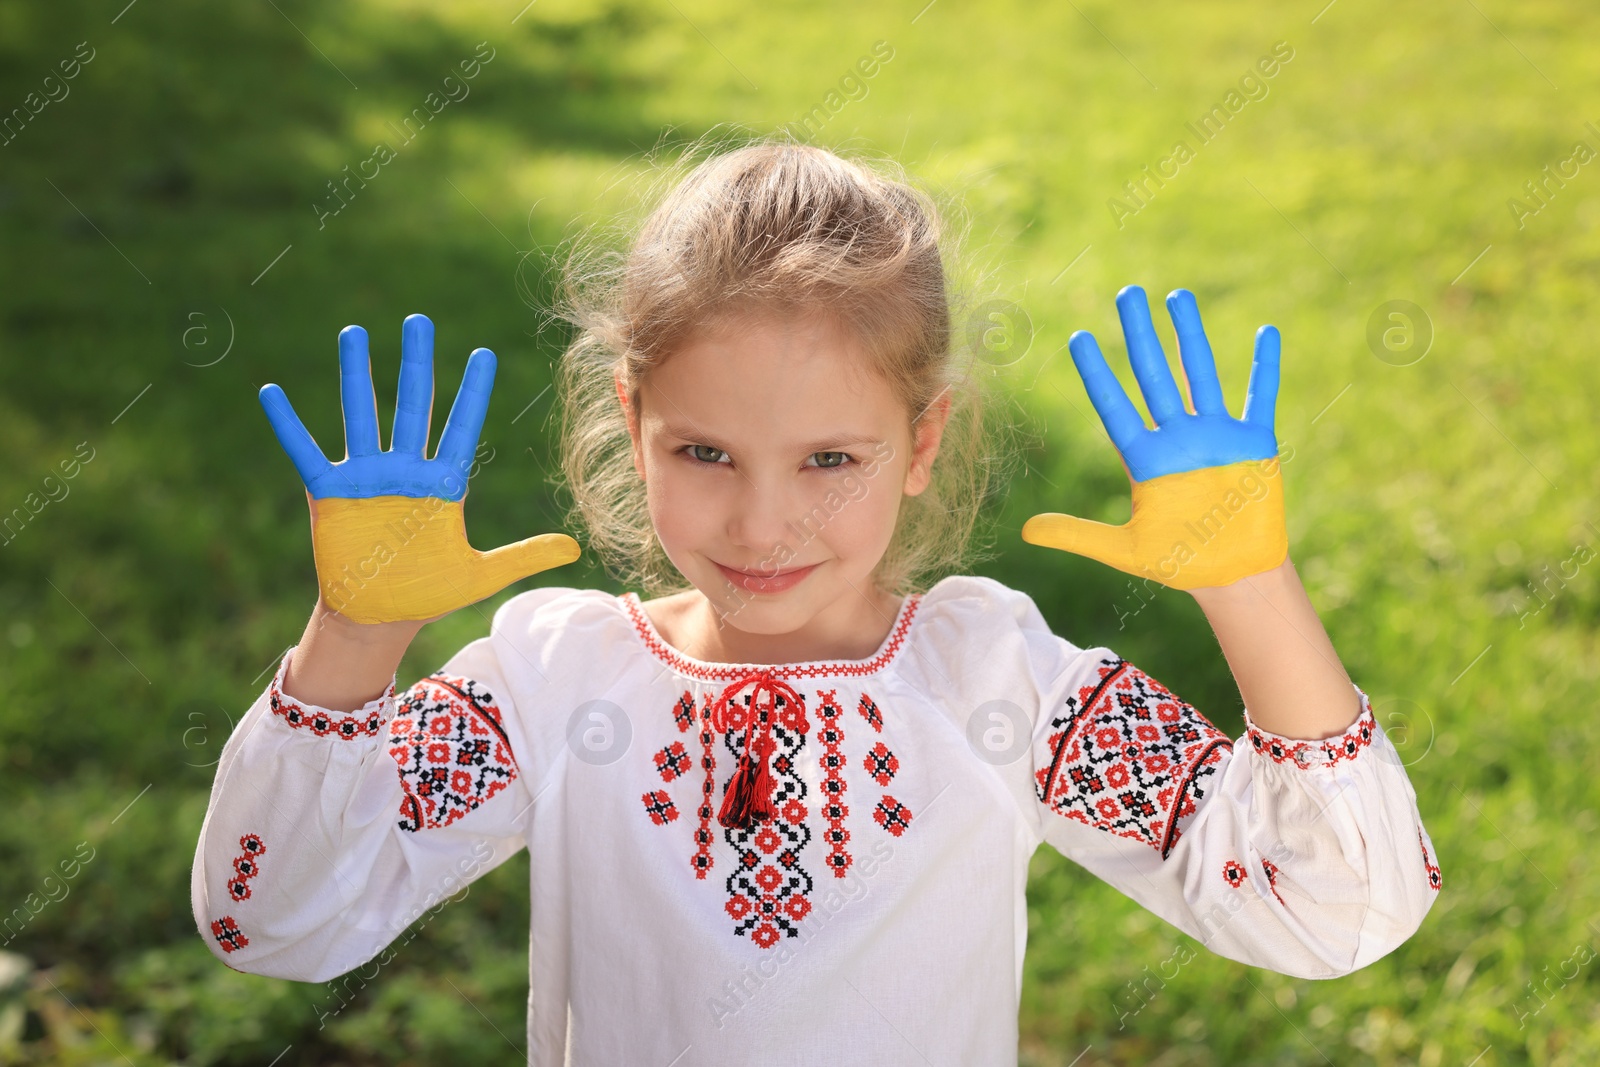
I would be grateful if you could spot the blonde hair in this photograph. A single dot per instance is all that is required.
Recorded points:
(773, 225)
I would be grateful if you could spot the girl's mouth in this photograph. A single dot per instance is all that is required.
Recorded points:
(766, 583)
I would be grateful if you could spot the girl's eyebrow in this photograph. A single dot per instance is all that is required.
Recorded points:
(821, 444)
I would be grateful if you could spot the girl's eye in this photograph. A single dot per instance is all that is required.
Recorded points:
(697, 451)
(713, 456)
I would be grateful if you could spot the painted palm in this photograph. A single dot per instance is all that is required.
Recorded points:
(1207, 497)
(387, 527)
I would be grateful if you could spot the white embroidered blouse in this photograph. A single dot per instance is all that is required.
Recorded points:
(878, 914)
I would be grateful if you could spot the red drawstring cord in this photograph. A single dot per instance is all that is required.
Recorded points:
(749, 796)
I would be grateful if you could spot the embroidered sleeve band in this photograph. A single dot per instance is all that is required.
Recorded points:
(1128, 757)
(450, 745)
(1347, 746)
(363, 723)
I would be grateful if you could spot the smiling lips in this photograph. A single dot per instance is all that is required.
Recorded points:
(758, 583)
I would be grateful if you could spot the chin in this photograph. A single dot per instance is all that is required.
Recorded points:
(744, 604)
(757, 613)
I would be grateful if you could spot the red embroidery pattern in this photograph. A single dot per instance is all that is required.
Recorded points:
(452, 751)
(684, 714)
(703, 834)
(1272, 877)
(892, 815)
(830, 735)
(672, 761)
(660, 808)
(768, 890)
(1130, 758)
(319, 721)
(245, 866)
(228, 935)
(881, 763)
(728, 672)
(1435, 875)
(1234, 874)
(869, 711)
(1347, 746)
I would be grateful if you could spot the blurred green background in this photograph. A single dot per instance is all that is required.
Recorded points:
(163, 258)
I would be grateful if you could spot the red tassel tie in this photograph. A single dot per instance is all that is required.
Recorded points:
(748, 799)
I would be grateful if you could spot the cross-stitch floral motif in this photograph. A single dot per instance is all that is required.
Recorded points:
(245, 866)
(660, 808)
(881, 764)
(319, 721)
(1128, 757)
(228, 934)
(684, 713)
(1435, 875)
(704, 836)
(672, 761)
(452, 751)
(870, 712)
(830, 735)
(1347, 746)
(769, 890)
(892, 815)
(1234, 874)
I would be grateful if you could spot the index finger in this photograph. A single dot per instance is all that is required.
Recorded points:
(461, 429)
(303, 452)
(1261, 397)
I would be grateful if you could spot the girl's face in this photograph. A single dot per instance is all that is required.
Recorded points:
(774, 462)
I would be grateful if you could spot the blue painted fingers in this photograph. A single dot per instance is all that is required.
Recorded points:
(1181, 440)
(404, 470)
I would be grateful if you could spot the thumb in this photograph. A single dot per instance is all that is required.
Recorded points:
(1111, 545)
(498, 568)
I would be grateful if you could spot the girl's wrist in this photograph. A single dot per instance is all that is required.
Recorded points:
(1250, 587)
(340, 665)
(324, 617)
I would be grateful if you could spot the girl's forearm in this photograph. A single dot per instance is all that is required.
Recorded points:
(1287, 671)
(341, 665)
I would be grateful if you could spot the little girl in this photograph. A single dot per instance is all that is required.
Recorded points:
(785, 813)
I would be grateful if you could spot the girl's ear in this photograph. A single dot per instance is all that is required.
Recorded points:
(926, 446)
(632, 418)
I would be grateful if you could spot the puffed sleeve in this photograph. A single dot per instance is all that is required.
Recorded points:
(328, 833)
(1303, 857)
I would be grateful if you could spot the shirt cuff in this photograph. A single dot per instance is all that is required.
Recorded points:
(1356, 739)
(366, 722)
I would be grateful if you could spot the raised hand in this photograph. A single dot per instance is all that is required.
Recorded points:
(387, 528)
(1207, 496)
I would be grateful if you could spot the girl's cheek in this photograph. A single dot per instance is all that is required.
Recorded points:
(865, 518)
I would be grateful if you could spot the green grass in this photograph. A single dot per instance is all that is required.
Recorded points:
(137, 612)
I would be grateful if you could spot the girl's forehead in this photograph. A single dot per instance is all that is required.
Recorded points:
(801, 357)
(731, 392)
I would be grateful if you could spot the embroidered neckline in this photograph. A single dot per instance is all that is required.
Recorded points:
(723, 672)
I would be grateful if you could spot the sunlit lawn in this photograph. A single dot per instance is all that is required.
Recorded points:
(174, 206)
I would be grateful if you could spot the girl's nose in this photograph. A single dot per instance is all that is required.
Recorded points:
(766, 515)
